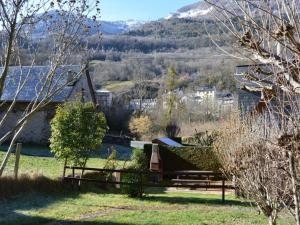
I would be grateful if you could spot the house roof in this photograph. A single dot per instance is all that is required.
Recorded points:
(254, 77)
(33, 79)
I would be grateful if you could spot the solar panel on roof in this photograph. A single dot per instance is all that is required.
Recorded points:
(170, 142)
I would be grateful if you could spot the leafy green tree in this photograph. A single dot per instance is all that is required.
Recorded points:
(171, 84)
(77, 131)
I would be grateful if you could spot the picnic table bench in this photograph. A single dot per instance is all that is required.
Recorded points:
(193, 177)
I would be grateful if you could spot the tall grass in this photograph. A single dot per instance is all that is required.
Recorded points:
(9, 186)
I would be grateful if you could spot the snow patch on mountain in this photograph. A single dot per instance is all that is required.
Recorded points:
(195, 13)
(130, 24)
(191, 13)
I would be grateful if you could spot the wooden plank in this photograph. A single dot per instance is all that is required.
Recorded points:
(191, 181)
(213, 186)
(111, 170)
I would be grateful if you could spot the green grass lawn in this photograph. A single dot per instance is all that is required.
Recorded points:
(93, 206)
(100, 208)
(47, 166)
(37, 159)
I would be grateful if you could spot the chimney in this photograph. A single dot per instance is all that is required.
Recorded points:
(155, 162)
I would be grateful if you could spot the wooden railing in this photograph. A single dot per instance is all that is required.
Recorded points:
(179, 182)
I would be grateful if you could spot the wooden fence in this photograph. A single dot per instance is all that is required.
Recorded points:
(179, 182)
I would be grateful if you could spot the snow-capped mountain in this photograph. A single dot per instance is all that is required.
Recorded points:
(127, 25)
(202, 9)
(106, 27)
(196, 10)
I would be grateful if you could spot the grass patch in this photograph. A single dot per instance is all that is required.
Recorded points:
(47, 166)
(39, 160)
(118, 86)
(101, 208)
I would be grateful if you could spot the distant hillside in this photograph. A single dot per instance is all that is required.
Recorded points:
(177, 28)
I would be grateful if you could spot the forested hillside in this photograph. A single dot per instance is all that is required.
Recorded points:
(149, 50)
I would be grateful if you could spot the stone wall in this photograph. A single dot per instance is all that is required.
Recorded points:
(37, 129)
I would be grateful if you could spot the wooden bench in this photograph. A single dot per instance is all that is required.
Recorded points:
(192, 182)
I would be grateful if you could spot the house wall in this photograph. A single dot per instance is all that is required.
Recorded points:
(247, 101)
(37, 129)
(81, 87)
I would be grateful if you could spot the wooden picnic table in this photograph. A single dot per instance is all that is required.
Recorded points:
(193, 177)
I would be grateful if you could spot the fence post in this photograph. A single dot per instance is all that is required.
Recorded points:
(18, 153)
(141, 184)
(223, 190)
(73, 176)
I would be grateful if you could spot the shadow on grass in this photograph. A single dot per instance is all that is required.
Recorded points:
(36, 193)
(28, 220)
(196, 200)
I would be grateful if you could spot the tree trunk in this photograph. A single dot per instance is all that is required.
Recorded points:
(84, 165)
(64, 171)
(294, 186)
(273, 218)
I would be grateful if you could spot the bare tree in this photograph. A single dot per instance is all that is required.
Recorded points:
(268, 34)
(258, 166)
(140, 90)
(64, 24)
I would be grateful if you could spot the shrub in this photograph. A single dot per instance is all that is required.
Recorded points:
(186, 158)
(140, 126)
(205, 139)
(172, 130)
(139, 163)
(77, 131)
(111, 163)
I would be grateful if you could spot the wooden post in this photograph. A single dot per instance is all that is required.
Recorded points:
(141, 184)
(18, 153)
(223, 190)
(73, 176)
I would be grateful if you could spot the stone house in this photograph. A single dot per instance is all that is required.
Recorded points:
(250, 90)
(37, 130)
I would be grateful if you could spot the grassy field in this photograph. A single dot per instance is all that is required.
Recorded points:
(118, 86)
(100, 208)
(39, 160)
(93, 206)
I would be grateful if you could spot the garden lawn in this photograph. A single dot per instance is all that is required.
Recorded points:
(99, 208)
(47, 166)
(39, 160)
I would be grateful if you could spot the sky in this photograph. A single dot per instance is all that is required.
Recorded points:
(113, 10)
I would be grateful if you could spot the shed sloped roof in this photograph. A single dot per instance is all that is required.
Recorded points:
(169, 142)
(33, 79)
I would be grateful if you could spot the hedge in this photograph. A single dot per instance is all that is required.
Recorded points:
(186, 158)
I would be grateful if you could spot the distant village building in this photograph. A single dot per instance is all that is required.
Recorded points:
(205, 93)
(199, 95)
(104, 98)
(37, 130)
(143, 104)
